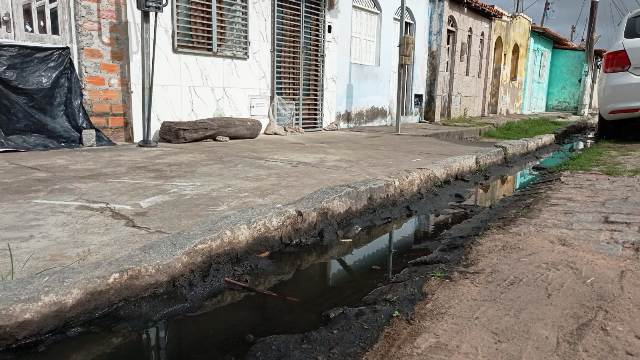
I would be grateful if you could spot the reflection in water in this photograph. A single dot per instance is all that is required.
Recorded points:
(322, 279)
(154, 342)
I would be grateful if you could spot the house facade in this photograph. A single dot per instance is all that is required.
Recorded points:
(536, 82)
(555, 73)
(362, 61)
(326, 61)
(510, 49)
(457, 71)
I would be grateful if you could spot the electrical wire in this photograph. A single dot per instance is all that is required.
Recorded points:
(535, 2)
(581, 11)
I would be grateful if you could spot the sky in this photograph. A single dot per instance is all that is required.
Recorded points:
(565, 13)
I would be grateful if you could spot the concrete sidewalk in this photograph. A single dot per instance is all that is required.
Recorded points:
(71, 207)
(108, 223)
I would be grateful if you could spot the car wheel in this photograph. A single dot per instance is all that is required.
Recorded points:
(604, 128)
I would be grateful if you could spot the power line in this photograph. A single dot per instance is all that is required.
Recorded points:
(581, 10)
(535, 2)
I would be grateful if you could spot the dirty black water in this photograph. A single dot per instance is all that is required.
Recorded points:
(321, 278)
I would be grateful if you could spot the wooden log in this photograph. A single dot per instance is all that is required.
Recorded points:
(199, 130)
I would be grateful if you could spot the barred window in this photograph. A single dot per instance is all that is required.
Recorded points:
(215, 27)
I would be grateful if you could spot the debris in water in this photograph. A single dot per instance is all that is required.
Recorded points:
(376, 267)
(264, 254)
(245, 286)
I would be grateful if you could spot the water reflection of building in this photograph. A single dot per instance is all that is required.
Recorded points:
(375, 252)
(492, 192)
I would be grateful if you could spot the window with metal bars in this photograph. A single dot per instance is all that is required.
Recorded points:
(213, 27)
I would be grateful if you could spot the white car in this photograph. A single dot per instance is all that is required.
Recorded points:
(619, 84)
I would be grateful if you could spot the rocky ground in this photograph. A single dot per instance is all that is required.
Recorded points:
(561, 282)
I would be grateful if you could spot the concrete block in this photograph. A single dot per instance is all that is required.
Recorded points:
(453, 166)
(513, 148)
(490, 157)
(546, 140)
(89, 137)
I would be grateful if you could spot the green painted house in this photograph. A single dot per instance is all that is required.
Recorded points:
(565, 81)
(555, 69)
(536, 82)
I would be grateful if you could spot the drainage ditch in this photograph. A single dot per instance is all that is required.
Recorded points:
(326, 300)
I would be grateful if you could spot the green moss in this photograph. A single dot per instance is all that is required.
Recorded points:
(526, 128)
(613, 159)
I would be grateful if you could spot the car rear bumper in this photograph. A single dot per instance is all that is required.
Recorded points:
(619, 96)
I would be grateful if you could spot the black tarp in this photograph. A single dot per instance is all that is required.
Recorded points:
(41, 100)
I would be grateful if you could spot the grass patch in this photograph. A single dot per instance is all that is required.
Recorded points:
(463, 121)
(526, 128)
(610, 158)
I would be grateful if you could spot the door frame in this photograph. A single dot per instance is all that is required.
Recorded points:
(303, 49)
(452, 28)
(496, 76)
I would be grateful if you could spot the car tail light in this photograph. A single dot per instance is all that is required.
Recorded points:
(616, 61)
(624, 111)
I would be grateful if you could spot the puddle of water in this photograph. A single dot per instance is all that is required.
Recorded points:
(321, 280)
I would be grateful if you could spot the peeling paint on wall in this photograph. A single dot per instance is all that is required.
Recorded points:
(456, 82)
(565, 80)
(512, 30)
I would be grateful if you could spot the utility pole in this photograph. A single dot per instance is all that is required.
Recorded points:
(589, 56)
(547, 6)
(573, 32)
(399, 100)
(519, 6)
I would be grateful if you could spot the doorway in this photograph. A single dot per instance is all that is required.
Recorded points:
(494, 95)
(450, 66)
(299, 30)
(36, 21)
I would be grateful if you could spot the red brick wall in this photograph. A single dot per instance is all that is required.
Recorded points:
(103, 62)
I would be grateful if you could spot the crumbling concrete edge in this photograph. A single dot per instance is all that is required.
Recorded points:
(40, 304)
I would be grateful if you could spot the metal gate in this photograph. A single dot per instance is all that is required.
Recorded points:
(299, 58)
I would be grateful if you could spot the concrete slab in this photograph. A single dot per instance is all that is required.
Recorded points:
(106, 223)
(70, 207)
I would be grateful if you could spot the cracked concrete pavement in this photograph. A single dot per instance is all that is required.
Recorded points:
(72, 207)
(93, 227)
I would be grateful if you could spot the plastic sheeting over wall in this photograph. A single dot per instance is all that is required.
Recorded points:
(41, 100)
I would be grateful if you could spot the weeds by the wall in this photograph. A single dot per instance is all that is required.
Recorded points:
(526, 128)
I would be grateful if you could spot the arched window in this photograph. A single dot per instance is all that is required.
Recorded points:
(481, 55)
(469, 47)
(452, 28)
(365, 32)
(409, 20)
(451, 23)
(515, 59)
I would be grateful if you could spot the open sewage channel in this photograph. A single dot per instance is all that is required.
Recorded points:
(324, 300)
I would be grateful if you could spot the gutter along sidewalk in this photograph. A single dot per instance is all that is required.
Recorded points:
(90, 228)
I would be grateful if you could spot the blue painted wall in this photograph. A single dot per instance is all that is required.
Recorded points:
(364, 91)
(536, 82)
(565, 80)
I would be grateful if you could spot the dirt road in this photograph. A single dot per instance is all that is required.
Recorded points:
(561, 283)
